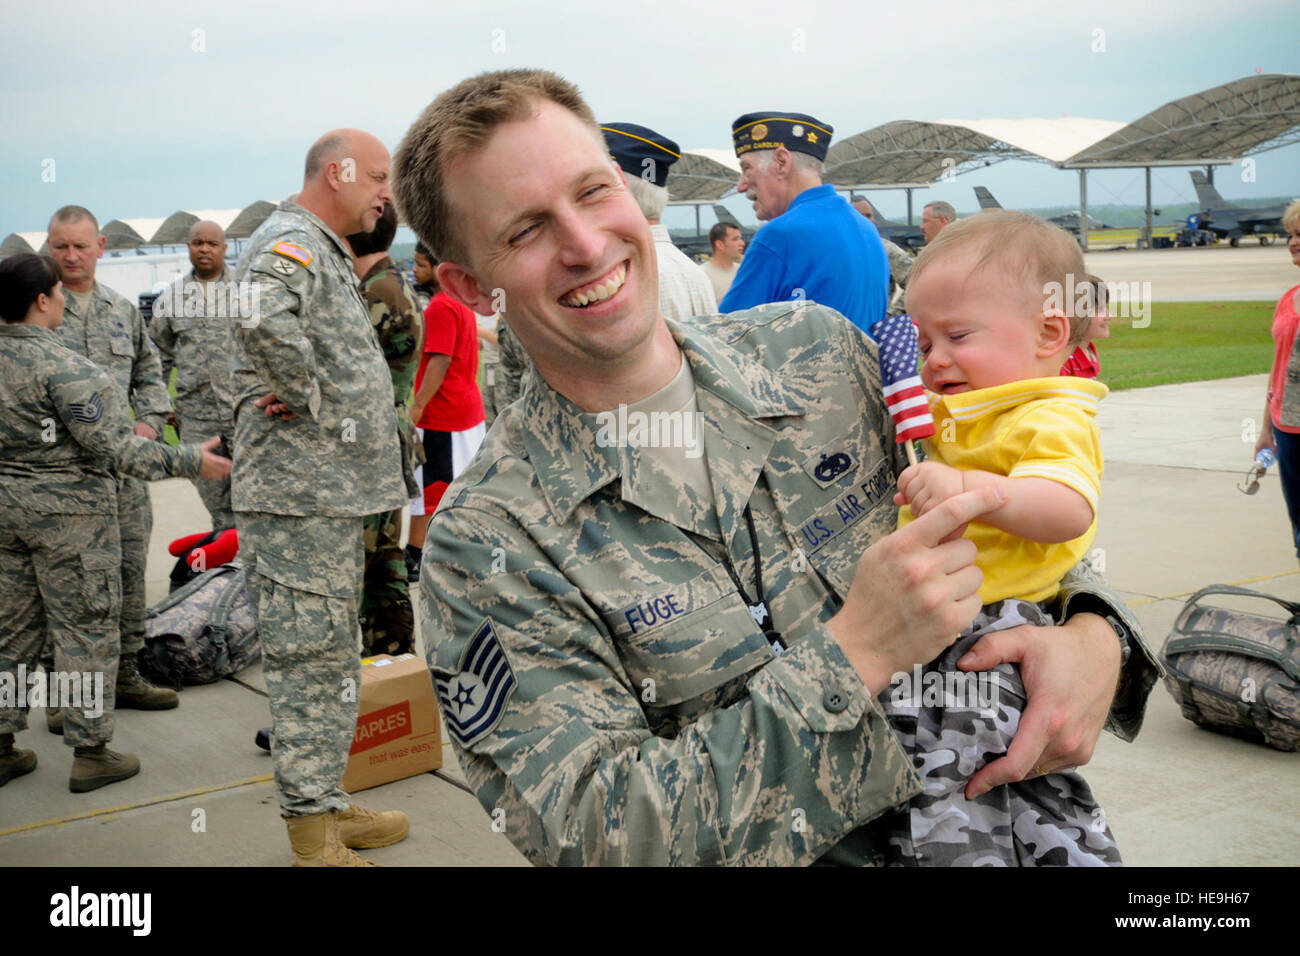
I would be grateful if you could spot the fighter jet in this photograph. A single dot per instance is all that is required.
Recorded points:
(1069, 222)
(1230, 221)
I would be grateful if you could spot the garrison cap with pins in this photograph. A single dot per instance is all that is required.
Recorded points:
(797, 132)
(631, 146)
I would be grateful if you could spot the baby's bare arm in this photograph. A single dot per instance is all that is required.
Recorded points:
(1036, 509)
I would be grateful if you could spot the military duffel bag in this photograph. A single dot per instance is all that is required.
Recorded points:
(1236, 672)
(201, 632)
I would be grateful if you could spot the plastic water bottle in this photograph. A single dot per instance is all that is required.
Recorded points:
(1265, 459)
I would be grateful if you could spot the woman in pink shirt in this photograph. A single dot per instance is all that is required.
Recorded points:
(1281, 431)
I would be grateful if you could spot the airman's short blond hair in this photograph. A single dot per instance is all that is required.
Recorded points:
(459, 121)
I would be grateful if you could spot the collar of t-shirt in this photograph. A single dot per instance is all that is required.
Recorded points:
(82, 300)
(677, 399)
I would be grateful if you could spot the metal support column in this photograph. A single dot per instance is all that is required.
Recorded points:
(909, 206)
(697, 219)
(1083, 209)
(1148, 177)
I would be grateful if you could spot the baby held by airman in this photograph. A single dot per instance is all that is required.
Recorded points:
(993, 331)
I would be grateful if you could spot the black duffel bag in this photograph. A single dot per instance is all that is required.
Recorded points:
(1237, 672)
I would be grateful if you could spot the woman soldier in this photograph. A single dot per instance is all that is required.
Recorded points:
(62, 428)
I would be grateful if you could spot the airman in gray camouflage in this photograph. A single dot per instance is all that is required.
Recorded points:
(65, 437)
(645, 659)
(191, 326)
(316, 449)
(107, 329)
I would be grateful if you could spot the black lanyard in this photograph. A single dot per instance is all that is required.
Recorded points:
(758, 608)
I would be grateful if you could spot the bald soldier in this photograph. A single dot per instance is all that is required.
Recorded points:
(316, 449)
(106, 328)
(668, 648)
(191, 325)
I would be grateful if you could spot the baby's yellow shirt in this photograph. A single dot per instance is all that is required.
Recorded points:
(1036, 428)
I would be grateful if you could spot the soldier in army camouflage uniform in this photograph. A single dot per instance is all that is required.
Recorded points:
(107, 329)
(507, 376)
(645, 655)
(191, 326)
(387, 620)
(64, 438)
(316, 449)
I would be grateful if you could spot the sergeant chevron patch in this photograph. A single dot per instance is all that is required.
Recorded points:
(88, 412)
(474, 698)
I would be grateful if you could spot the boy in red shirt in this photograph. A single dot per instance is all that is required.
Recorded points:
(1083, 361)
(447, 408)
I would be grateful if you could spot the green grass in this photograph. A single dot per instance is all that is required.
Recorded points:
(1188, 342)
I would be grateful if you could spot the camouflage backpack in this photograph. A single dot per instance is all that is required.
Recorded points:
(1236, 672)
(202, 631)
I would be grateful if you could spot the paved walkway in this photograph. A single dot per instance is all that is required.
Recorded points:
(1172, 522)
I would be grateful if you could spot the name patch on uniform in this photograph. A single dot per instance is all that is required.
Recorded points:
(290, 251)
(848, 508)
(474, 698)
(88, 412)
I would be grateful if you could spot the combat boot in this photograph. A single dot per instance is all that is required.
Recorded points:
(134, 691)
(316, 842)
(95, 767)
(363, 829)
(54, 720)
(14, 762)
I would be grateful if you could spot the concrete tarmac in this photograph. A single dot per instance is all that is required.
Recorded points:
(1202, 273)
(1172, 521)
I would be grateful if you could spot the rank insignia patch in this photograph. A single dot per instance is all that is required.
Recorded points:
(88, 412)
(474, 698)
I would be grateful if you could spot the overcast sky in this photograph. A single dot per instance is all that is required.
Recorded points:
(146, 108)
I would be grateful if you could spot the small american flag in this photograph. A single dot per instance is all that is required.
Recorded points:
(904, 393)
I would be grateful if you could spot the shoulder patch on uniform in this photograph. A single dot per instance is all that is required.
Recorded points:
(474, 698)
(90, 411)
(297, 253)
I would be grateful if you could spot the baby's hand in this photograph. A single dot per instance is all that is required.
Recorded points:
(925, 485)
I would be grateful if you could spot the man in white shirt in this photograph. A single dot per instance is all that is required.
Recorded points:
(728, 246)
(645, 158)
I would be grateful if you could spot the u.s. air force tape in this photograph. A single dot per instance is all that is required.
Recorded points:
(474, 697)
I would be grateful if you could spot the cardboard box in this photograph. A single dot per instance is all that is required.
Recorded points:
(398, 732)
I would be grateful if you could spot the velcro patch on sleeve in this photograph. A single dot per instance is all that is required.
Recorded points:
(474, 697)
(290, 251)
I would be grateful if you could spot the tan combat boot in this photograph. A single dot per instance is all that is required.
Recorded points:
(95, 767)
(364, 829)
(134, 691)
(14, 762)
(54, 720)
(315, 841)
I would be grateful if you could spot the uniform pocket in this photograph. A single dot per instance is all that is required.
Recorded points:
(101, 575)
(680, 643)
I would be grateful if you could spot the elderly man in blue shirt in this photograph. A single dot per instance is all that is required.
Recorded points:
(815, 246)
